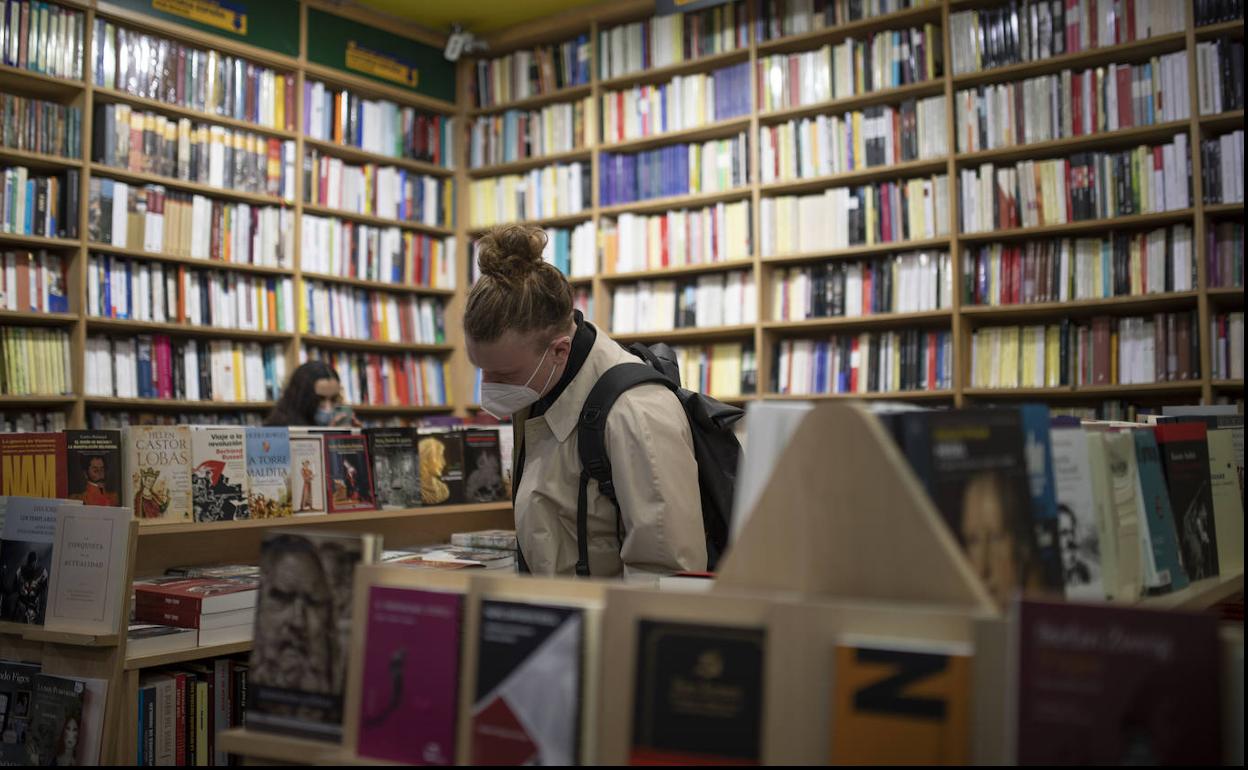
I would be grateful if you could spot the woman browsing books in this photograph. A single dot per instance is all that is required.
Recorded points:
(313, 397)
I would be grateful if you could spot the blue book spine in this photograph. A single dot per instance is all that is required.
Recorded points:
(1162, 536)
(1038, 452)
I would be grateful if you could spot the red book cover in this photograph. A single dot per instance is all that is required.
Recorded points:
(179, 752)
(931, 360)
(1076, 109)
(1072, 26)
(348, 474)
(1097, 92)
(1105, 685)
(1125, 101)
(154, 613)
(854, 366)
(33, 465)
(795, 82)
(1184, 341)
(165, 367)
(664, 239)
(1129, 33)
(196, 595)
(1100, 351)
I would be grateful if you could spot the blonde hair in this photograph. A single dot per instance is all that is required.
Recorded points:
(517, 290)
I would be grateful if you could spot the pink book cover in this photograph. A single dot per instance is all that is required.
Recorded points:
(166, 368)
(411, 676)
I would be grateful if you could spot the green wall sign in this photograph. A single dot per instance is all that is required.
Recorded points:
(270, 24)
(369, 52)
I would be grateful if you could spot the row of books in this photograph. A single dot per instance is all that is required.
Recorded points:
(1225, 254)
(573, 251)
(840, 217)
(42, 37)
(775, 19)
(42, 708)
(1091, 185)
(721, 370)
(34, 362)
(904, 283)
(1215, 11)
(378, 126)
(1164, 347)
(349, 313)
(1033, 30)
(381, 191)
(718, 233)
(162, 221)
(102, 418)
(182, 711)
(33, 125)
(33, 204)
(551, 191)
(1220, 66)
(1073, 103)
(582, 300)
(718, 299)
(870, 362)
(516, 134)
(1226, 339)
(880, 60)
(33, 282)
(1222, 163)
(28, 421)
(390, 254)
(147, 142)
(684, 102)
(183, 369)
(137, 290)
(532, 72)
(1062, 270)
(665, 40)
(401, 379)
(718, 165)
(835, 144)
(209, 81)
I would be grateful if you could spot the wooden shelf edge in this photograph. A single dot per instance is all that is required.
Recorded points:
(36, 401)
(373, 345)
(688, 334)
(331, 519)
(350, 152)
(692, 200)
(658, 74)
(712, 130)
(929, 12)
(113, 95)
(258, 745)
(183, 656)
(1072, 143)
(675, 270)
(527, 164)
(376, 88)
(37, 159)
(561, 220)
(112, 402)
(40, 241)
(205, 264)
(884, 172)
(370, 219)
(364, 283)
(118, 324)
(198, 188)
(1021, 70)
(796, 257)
(1157, 218)
(872, 319)
(402, 408)
(11, 317)
(1200, 595)
(568, 93)
(1136, 301)
(892, 395)
(68, 638)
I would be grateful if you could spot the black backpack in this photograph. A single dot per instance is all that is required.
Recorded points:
(715, 447)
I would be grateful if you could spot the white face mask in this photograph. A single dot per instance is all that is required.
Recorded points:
(503, 400)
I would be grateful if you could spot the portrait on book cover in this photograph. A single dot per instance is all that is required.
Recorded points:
(24, 578)
(350, 477)
(996, 537)
(1080, 547)
(433, 489)
(95, 481)
(485, 479)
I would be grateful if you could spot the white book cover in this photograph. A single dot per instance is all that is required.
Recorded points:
(157, 457)
(91, 546)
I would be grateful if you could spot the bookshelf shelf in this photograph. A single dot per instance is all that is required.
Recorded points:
(347, 152)
(401, 409)
(1125, 52)
(375, 90)
(15, 80)
(15, 317)
(1188, 388)
(100, 169)
(563, 220)
(266, 748)
(156, 530)
(580, 280)
(1200, 595)
(889, 395)
(41, 634)
(541, 100)
(1232, 28)
(39, 241)
(875, 320)
(373, 345)
(1222, 121)
(1222, 209)
(1106, 306)
(140, 662)
(696, 334)
(660, 74)
(113, 96)
(1086, 226)
(13, 402)
(378, 285)
(876, 249)
(527, 164)
(695, 200)
(369, 219)
(929, 12)
(1228, 295)
(1100, 140)
(37, 160)
(140, 21)
(861, 176)
(1228, 385)
(715, 130)
(106, 402)
(150, 327)
(679, 270)
(856, 101)
(205, 264)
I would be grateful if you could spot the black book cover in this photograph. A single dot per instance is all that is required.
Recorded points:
(396, 477)
(1185, 457)
(94, 463)
(56, 721)
(348, 474)
(836, 290)
(698, 696)
(442, 468)
(483, 466)
(17, 692)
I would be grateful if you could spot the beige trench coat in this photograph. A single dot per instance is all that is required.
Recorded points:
(652, 465)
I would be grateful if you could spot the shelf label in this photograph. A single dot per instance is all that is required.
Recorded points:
(272, 24)
(667, 7)
(359, 49)
(231, 17)
(381, 65)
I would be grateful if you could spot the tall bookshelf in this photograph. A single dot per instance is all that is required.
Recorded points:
(960, 318)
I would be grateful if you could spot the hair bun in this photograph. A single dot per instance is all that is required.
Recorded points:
(511, 253)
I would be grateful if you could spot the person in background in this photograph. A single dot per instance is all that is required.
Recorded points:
(539, 359)
(313, 397)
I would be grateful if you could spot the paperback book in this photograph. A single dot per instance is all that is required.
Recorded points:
(26, 552)
(33, 465)
(307, 468)
(90, 550)
(348, 474)
(483, 464)
(56, 721)
(17, 691)
(396, 469)
(94, 466)
(219, 488)
(268, 472)
(442, 468)
(158, 472)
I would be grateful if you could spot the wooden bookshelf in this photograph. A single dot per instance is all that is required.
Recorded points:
(715, 130)
(1199, 595)
(1095, 226)
(561, 220)
(679, 270)
(203, 264)
(225, 193)
(925, 13)
(19, 402)
(155, 327)
(869, 321)
(102, 95)
(359, 155)
(661, 74)
(161, 530)
(258, 747)
(14, 318)
(38, 241)
(1229, 295)
(1224, 209)
(1133, 51)
(373, 345)
(1231, 385)
(1227, 28)
(41, 634)
(842, 104)
(377, 285)
(872, 250)
(1223, 121)
(369, 219)
(694, 200)
(891, 395)
(15, 80)
(526, 164)
(139, 662)
(861, 176)
(569, 94)
(691, 335)
(1128, 305)
(1187, 388)
(401, 409)
(166, 404)
(1062, 147)
(37, 160)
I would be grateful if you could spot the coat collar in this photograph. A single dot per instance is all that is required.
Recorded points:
(563, 415)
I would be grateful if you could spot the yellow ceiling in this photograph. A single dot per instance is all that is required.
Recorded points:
(481, 17)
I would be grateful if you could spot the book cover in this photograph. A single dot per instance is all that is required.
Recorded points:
(483, 464)
(307, 468)
(26, 552)
(502, 539)
(33, 465)
(219, 473)
(442, 468)
(1185, 457)
(1077, 526)
(1108, 685)
(1158, 535)
(1228, 501)
(396, 470)
(55, 721)
(268, 473)
(17, 692)
(303, 631)
(902, 703)
(410, 687)
(348, 474)
(158, 472)
(1039, 453)
(90, 549)
(698, 694)
(527, 707)
(193, 596)
(94, 466)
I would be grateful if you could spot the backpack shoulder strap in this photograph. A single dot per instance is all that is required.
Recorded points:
(591, 442)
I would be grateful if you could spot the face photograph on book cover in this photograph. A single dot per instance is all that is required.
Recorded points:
(995, 537)
(24, 578)
(1200, 553)
(433, 489)
(397, 479)
(95, 481)
(485, 479)
(1081, 558)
